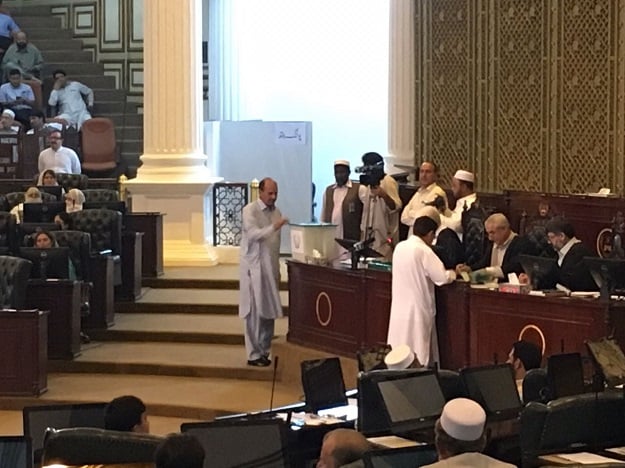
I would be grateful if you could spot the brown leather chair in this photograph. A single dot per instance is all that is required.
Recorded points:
(14, 274)
(36, 87)
(98, 145)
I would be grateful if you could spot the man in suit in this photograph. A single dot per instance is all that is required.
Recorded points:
(573, 272)
(502, 252)
(341, 205)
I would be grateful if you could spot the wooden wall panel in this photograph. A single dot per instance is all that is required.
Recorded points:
(529, 94)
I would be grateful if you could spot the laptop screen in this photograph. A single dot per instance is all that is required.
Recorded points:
(494, 388)
(15, 452)
(254, 443)
(322, 381)
(405, 457)
(398, 401)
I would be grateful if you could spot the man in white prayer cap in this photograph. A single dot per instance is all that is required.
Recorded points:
(401, 357)
(462, 186)
(341, 205)
(7, 122)
(460, 437)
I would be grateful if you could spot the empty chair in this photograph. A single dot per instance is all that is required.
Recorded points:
(14, 274)
(98, 145)
(70, 181)
(100, 195)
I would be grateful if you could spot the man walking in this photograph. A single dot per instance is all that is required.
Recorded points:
(260, 272)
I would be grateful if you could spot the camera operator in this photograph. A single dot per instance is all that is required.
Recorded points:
(379, 194)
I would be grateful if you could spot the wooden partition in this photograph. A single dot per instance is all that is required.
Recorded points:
(340, 310)
(23, 352)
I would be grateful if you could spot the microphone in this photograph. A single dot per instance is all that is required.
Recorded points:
(273, 382)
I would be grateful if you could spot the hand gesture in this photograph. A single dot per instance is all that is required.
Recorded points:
(279, 223)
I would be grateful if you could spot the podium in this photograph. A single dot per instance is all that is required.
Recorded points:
(23, 352)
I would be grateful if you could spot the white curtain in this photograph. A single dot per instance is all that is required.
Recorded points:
(325, 61)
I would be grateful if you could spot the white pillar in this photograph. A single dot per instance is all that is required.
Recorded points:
(401, 118)
(174, 178)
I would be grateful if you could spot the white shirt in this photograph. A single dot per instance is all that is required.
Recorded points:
(454, 220)
(419, 199)
(377, 215)
(63, 161)
(496, 257)
(416, 269)
(564, 250)
(72, 104)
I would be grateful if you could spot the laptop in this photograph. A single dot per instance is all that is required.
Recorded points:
(322, 381)
(406, 457)
(245, 443)
(16, 452)
(494, 388)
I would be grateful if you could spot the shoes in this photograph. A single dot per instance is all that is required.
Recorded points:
(84, 338)
(262, 361)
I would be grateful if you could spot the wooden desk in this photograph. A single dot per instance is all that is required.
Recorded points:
(62, 299)
(151, 225)
(130, 289)
(341, 310)
(23, 352)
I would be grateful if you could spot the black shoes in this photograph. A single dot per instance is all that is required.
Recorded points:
(262, 361)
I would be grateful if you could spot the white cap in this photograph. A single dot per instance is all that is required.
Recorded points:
(8, 112)
(399, 358)
(341, 162)
(463, 419)
(464, 175)
(430, 212)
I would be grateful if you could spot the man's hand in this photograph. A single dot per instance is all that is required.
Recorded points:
(462, 267)
(279, 223)
(377, 191)
(57, 85)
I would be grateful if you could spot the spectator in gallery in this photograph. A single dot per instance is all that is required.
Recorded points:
(38, 124)
(23, 56)
(74, 200)
(8, 126)
(18, 97)
(70, 96)
(8, 30)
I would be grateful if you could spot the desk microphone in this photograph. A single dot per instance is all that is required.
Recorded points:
(273, 382)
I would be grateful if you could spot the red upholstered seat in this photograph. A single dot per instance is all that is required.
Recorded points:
(98, 146)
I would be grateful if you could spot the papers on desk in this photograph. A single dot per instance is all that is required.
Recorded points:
(393, 442)
(582, 458)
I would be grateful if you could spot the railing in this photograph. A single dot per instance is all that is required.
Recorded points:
(228, 202)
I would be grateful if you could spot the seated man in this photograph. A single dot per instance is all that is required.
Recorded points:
(342, 447)
(58, 158)
(573, 272)
(38, 124)
(7, 123)
(68, 95)
(460, 436)
(23, 56)
(523, 357)
(126, 414)
(502, 253)
(18, 97)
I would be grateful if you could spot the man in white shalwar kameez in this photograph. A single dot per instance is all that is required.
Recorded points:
(416, 269)
(68, 95)
(260, 272)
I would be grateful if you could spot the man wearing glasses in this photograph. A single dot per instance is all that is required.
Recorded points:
(60, 159)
